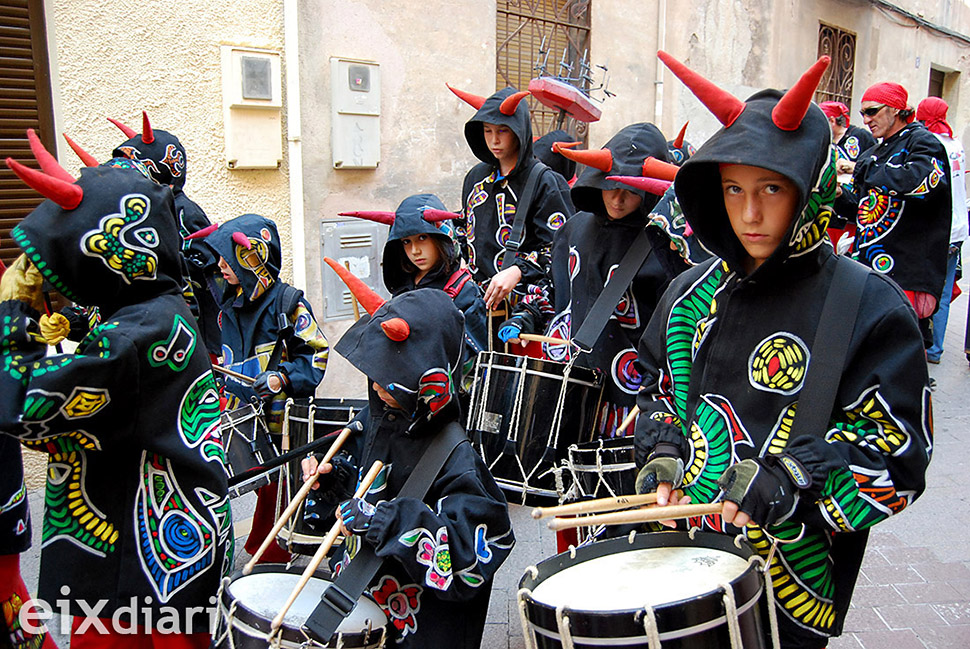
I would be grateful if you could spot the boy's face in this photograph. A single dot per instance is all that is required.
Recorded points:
(227, 272)
(386, 396)
(421, 251)
(760, 205)
(502, 142)
(620, 202)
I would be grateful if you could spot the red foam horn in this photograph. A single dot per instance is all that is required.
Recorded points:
(147, 134)
(129, 133)
(436, 216)
(790, 110)
(387, 218)
(475, 101)
(679, 140)
(242, 240)
(651, 185)
(204, 232)
(48, 163)
(397, 329)
(725, 106)
(368, 299)
(67, 195)
(601, 159)
(88, 159)
(511, 103)
(659, 169)
(564, 145)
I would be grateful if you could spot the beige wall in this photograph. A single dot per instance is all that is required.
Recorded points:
(113, 58)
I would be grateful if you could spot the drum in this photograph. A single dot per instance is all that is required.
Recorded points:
(524, 414)
(247, 443)
(602, 469)
(703, 592)
(248, 604)
(303, 421)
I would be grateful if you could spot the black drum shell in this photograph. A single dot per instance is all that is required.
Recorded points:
(670, 616)
(618, 476)
(248, 444)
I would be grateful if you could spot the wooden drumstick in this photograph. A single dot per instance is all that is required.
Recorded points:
(598, 505)
(543, 339)
(295, 503)
(235, 375)
(627, 421)
(328, 542)
(646, 515)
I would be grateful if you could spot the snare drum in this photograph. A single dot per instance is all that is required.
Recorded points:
(602, 469)
(248, 445)
(524, 414)
(700, 593)
(248, 604)
(304, 421)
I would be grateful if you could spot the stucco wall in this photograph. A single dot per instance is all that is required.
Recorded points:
(117, 57)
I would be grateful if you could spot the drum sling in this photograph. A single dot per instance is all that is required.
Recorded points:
(817, 398)
(339, 599)
(514, 241)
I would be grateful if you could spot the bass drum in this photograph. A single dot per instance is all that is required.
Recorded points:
(704, 592)
(248, 445)
(305, 420)
(603, 468)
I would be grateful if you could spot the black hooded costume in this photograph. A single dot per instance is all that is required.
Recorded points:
(489, 200)
(854, 142)
(586, 251)
(165, 158)
(904, 209)
(542, 149)
(725, 357)
(136, 502)
(440, 552)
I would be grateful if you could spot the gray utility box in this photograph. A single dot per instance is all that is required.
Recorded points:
(360, 245)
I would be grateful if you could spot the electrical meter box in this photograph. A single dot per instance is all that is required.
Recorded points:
(356, 118)
(356, 245)
(252, 101)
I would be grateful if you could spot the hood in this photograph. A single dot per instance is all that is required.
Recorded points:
(804, 155)
(628, 149)
(257, 267)
(158, 150)
(409, 221)
(542, 149)
(519, 122)
(119, 245)
(410, 346)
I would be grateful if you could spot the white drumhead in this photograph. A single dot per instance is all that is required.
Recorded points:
(265, 593)
(636, 578)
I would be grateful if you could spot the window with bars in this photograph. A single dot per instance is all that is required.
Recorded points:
(836, 85)
(536, 34)
(25, 102)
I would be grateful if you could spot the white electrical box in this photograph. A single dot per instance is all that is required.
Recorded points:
(355, 135)
(252, 100)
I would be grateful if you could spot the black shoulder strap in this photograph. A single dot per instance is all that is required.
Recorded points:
(287, 302)
(829, 349)
(521, 211)
(605, 304)
(339, 599)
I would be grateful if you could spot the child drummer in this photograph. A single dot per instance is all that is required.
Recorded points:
(440, 552)
(726, 352)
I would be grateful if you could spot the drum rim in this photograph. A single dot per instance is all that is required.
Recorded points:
(253, 620)
(595, 380)
(736, 545)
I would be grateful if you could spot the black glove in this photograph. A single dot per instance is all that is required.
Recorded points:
(663, 465)
(262, 387)
(356, 515)
(334, 487)
(766, 489)
(514, 326)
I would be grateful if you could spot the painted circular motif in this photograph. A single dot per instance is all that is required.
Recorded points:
(625, 373)
(556, 221)
(265, 234)
(883, 263)
(778, 364)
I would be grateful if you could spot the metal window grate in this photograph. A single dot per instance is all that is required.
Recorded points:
(836, 85)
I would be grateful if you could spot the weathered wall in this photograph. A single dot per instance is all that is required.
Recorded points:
(117, 57)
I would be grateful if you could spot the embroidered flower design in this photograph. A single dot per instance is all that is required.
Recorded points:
(432, 552)
(401, 603)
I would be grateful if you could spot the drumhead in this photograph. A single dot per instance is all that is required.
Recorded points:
(263, 593)
(645, 577)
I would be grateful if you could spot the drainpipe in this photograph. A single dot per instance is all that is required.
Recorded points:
(658, 84)
(291, 36)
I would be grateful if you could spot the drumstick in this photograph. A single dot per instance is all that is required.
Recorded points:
(295, 503)
(598, 505)
(328, 542)
(235, 375)
(627, 421)
(543, 339)
(647, 515)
